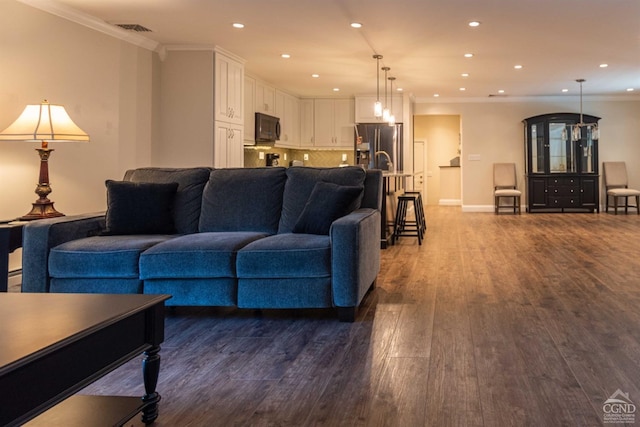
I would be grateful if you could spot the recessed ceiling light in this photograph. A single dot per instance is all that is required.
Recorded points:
(501, 91)
(399, 89)
(435, 95)
(462, 89)
(517, 67)
(474, 23)
(468, 55)
(285, 56)
(630, 89)
(238, 25)
(315, 76)
(356, 25)
(336, 89)
(565, 90)
(465, 74)
(604, 65)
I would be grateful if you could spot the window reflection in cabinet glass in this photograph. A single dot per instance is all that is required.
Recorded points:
(537, 148)
(587, 157)
(560, 149)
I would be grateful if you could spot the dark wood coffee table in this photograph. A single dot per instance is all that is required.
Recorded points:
(53, 345)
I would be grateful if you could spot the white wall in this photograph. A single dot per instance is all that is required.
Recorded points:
(494, 130)
(107, 87)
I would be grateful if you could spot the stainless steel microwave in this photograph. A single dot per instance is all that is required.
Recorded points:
(267, 128)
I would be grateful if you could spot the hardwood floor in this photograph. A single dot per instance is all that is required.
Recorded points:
(509, 320)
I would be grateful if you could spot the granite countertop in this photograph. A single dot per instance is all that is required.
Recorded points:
(393, 174)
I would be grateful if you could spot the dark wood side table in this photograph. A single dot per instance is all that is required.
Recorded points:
(10, 240)
(53, 345)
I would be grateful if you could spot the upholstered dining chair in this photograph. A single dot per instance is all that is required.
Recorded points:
(616, 185)
(505, 184)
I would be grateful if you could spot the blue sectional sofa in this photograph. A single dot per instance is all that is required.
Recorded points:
(256, 238)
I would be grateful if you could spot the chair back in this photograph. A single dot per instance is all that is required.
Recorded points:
(504, 175)
(615, 174)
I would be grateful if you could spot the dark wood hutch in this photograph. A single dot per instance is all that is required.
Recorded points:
(561, 163)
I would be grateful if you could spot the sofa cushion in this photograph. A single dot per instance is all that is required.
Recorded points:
(286, 256)
(101, 256)
(327, 203)
(243, 199)
(199, 255)
(300, 184)
(139, 208)
(191, 181)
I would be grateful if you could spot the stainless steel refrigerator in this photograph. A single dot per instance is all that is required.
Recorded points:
(372, 140)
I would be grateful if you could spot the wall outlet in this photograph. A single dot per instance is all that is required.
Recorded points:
(474, 157)
(344, 157)
(305, 156)
(261, 155)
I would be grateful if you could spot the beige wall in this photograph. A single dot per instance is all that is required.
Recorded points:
(494, 131)
(105, 84)
(441, 134)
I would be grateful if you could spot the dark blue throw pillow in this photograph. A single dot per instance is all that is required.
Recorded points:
(140, 207)
(327, 203)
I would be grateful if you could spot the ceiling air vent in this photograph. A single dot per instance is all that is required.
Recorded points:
(134, 27)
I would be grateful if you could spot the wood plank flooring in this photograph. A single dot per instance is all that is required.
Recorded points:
(509, 320)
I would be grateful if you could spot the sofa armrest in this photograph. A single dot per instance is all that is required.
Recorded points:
(40, 236)
(355, 255)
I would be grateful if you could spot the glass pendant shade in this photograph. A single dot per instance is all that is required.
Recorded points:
(377, 109)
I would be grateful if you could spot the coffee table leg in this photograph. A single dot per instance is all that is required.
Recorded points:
(150, 372)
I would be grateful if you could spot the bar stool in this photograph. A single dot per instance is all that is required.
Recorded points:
(405, 227)
(420, 210)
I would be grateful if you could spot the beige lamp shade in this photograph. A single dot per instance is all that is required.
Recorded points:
(44, 122)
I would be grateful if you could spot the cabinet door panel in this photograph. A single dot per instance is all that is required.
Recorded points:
(537, 192)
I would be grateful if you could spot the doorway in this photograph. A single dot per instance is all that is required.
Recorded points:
(441, 144)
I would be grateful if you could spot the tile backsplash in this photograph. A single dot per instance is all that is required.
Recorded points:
(317, 158)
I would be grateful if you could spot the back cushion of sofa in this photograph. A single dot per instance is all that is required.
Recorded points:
(188, 199)
(243, 199)
(300, 183)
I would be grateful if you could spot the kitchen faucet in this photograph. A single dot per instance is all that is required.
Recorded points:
(389, 164)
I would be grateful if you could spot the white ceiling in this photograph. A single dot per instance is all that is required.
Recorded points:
(422, 41)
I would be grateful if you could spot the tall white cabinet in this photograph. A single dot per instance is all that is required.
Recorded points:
(201, 109)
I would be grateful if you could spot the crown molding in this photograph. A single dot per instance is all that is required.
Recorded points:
(92, 22)
(525, 99)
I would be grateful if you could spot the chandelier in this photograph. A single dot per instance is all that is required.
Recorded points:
(576, 132)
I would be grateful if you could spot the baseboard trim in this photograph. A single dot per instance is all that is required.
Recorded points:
(450, 202)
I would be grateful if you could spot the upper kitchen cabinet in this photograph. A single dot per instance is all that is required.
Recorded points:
(364, 108)
(288, 110)
(229, 86)
(306, 122)
(199, 108)
(333, 123)
(249, 110)
(265, 99)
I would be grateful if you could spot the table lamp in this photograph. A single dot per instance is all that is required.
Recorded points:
(43, 123)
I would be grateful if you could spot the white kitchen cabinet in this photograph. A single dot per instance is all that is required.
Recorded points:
(306, 122)
(228, 150)
(249, 110)
(288, 110)
(228, 89)
(198, 87)
(364, 108)
(265, 99)
(333, 123)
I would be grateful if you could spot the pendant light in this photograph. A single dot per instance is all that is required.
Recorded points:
(385, 111)
(392, 117)
(576, 132)
(377, 106)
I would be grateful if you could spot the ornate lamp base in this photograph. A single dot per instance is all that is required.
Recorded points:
(41, 210)
(43, 207)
